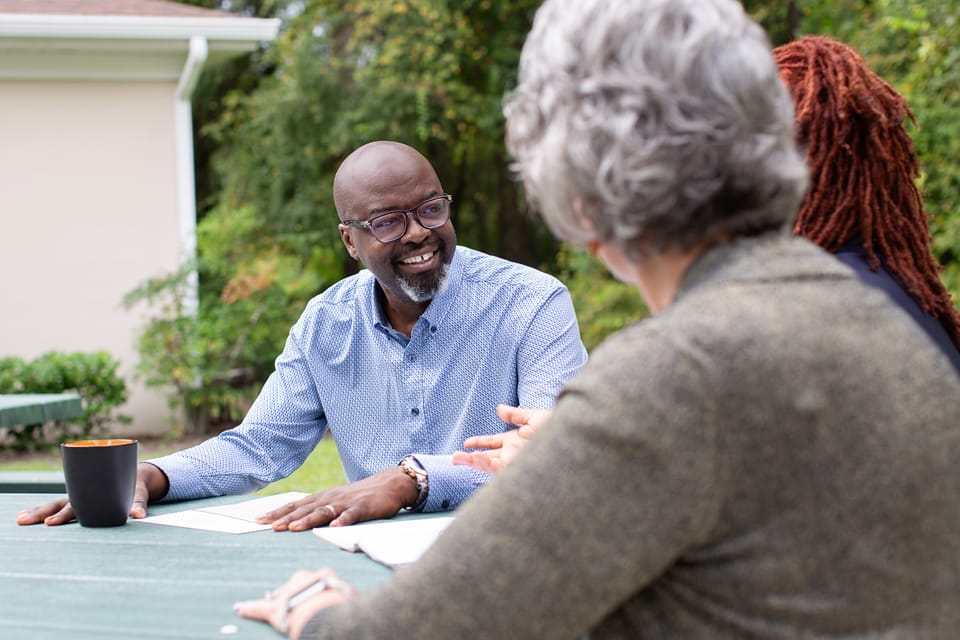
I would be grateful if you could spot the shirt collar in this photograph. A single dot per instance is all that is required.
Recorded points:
(438, 308)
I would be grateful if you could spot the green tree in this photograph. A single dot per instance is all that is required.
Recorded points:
(433, 74)
(426, 72)
(253, 288)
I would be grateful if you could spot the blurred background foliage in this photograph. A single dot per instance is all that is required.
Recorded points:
(93, 376)
(272, 127)
(914, 47)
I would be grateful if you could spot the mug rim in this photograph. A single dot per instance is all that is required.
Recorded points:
(103, 442)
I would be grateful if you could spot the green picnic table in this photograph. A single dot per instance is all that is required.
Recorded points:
(37, 408)
(150, 581)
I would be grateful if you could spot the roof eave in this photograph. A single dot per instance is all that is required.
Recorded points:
(41, 46)
(135, 28)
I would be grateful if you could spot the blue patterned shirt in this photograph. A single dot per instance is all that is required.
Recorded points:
(499, 333)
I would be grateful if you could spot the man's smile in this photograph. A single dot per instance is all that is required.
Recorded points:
(419, 259)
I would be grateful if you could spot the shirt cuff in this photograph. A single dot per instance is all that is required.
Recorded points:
(450, 484)
(182, 477)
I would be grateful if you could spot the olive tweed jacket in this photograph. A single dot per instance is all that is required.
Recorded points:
(776, 455)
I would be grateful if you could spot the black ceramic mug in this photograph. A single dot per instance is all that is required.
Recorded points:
(101, 476)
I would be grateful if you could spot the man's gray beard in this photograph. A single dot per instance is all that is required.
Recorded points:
(425, 293)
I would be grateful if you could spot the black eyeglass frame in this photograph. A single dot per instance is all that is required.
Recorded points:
(415, 211)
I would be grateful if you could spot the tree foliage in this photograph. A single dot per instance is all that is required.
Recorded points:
(429, 73)
(603, 305)
(433, 74)
(930, 79)
(253, 287)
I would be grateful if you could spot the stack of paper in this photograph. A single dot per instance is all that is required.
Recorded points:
(240, 517)
(391, 542)
(394, 542)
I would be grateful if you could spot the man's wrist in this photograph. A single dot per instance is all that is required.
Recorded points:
(415, 471)
(158, 485)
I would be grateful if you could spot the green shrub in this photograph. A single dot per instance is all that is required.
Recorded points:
(91, 375)
(253, 287)
(603, 304)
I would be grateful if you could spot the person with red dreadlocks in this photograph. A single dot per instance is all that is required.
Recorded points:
(863, 204)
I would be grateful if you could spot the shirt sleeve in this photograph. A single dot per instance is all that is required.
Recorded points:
(450, 485)
(282, 427)
(551, 352)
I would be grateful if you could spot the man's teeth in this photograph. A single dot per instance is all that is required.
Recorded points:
(418, 259)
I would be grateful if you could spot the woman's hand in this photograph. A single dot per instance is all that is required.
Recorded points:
(288, 608)
(502, 447)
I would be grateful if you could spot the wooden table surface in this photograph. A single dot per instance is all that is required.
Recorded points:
(149, 581)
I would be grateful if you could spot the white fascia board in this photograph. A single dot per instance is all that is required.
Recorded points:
(41, 26)
(34, 46)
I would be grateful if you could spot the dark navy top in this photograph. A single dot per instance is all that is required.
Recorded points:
(853, 254)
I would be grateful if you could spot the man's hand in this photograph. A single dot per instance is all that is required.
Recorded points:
(381, 495)
(56, 512)
(152, 484)
(502, 447)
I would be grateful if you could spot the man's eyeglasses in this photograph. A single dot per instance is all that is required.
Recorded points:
(390, 226)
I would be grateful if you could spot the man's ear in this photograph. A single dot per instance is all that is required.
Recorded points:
(348, 241)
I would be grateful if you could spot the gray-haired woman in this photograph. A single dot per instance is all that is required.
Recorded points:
(773, 453)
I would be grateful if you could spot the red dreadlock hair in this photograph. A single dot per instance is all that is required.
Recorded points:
(863, 167)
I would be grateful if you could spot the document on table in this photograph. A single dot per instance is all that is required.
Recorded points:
(394, 542)
(240, 517)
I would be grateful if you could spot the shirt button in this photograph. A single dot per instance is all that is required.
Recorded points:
(445, 504)
(415, 411)
(433, 329)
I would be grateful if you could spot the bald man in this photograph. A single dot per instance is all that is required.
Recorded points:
(401, 363)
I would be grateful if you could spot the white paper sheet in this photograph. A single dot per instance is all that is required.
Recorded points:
(240, 517)
(394, 543)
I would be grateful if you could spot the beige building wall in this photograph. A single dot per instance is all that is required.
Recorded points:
(88, 211)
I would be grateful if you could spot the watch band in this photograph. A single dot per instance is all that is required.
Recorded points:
(415, 470)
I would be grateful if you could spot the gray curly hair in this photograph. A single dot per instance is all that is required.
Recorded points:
(654, 124)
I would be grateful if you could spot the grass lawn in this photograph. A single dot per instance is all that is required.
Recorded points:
(322, 469)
